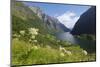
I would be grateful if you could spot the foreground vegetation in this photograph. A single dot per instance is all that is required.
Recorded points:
(32, 47)
(24, 53)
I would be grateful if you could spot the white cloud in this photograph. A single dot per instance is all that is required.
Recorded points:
(68, 19)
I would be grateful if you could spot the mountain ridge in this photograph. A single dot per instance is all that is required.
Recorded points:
(49, 21)
(34, 17)
(86, 23)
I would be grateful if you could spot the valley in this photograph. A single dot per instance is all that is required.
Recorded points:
(38, 38)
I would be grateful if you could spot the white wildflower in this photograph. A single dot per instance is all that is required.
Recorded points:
(35, 41)
(33, 31)
(62, 49)
(33, 37)
(22, 32)
(68, 52)
(84, 52)
(36, 33)
(65, 51)
(62, 54)
(35, 47)
(14, 35)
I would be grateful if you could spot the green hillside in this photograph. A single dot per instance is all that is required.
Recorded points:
(23, 18)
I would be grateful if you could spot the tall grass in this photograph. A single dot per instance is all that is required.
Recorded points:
(24, 53)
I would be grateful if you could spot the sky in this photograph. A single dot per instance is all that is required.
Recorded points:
(67, 14)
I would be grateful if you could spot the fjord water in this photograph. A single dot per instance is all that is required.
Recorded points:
(88, 45)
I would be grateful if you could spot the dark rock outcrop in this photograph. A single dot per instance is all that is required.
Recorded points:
(87, 23)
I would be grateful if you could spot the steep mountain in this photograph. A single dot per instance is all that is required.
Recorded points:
(37, 11)
(24, 17)
(87, 23)
(54, 25)
(51, 23)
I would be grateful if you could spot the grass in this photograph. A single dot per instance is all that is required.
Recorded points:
(24, 53)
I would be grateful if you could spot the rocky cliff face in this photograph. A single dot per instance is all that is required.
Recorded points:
(87, 23)
(31, 16)
(51, 23)
(37, 11)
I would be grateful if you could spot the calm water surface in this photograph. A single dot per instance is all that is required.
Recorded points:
(88, 45)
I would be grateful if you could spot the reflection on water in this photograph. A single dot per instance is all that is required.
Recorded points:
(66, 37)
(88, 45)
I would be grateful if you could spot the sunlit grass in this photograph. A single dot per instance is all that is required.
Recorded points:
(24, 53)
